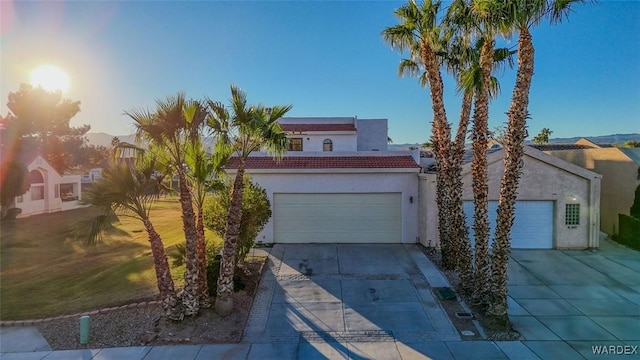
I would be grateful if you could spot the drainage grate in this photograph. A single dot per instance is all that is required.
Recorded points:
(446, 294)
(350, 336)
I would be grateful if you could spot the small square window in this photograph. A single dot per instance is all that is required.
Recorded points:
(572, 215)
(295, 144)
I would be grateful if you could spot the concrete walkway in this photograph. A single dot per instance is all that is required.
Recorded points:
(375, 302)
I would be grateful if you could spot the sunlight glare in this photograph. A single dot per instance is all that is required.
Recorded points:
(50, 77)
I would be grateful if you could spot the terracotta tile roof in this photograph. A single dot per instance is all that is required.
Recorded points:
(318, 127)
(552, 147)
(324, 162)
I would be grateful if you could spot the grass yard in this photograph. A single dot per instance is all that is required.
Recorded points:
(45, 271)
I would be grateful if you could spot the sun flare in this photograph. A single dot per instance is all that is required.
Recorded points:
(50, 77)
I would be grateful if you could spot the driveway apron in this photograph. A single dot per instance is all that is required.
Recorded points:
(332, 298)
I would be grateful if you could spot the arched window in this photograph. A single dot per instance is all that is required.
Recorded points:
(327, 145)
(35, 177)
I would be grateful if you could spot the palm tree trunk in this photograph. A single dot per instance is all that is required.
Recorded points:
(190, 293)
(224, 295)
(203, 286)
(480, 186)
(460, 231)
(442, 139)
(171, 304)
(514, 151)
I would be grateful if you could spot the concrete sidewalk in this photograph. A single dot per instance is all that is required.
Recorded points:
(375, 302)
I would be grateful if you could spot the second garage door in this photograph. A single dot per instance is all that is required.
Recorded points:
(337, 218)
(532, 228)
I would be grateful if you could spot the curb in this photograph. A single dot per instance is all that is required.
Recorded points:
(32, 322)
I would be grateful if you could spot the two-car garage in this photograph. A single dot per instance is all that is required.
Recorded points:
(337, 217)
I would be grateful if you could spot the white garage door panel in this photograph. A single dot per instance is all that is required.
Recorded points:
(532, 228)
(328, 218)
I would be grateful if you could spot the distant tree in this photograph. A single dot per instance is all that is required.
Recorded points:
(39, 121)
(427, 144)
(498, 134)
(413, 147)
(13, 182)
(630, 144)
(542, 137)
(389, 140)
(115, 141)
(635, 208)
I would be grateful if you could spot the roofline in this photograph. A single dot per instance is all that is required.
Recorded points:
(415, 170)
(543, 157)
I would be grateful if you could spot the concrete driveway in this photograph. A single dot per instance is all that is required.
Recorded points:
(576, 299)
(357, 301)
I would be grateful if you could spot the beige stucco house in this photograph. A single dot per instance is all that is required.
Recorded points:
(620, 170)
(557, 206)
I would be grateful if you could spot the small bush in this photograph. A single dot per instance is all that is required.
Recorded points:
(629, 231)
(256, 211)
(213, 272)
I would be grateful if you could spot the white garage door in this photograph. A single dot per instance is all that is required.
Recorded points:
(532, 228)
(337, 218)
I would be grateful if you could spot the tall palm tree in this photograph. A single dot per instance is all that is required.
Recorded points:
(241, 131)
(519, 16)
(174, 125)
(201, 174)
(420, 33)
(130, 190)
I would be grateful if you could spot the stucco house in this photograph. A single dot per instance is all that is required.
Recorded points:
(49, 191)
(557, 204)
(338, 183)
(620, 170)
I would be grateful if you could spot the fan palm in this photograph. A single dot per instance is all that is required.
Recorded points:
(518, 16)
(241, 131)
(203, 173)
(174, 125)
(130, 190)
(420, 33)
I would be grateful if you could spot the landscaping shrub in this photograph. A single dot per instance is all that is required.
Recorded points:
(256, 211)
(213, 272)
(629, 234)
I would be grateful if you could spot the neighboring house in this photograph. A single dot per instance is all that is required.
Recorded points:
(556, 207)
(620, 170)
(49, 191)
(338, 183)
(93, 175)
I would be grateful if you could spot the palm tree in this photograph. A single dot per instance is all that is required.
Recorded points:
(174, 125)
(519, 16)
(419, 32)
(131, 190)
(204, 170)
(242, 131)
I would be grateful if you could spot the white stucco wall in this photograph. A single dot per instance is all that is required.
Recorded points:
(345, 181)
(342, 141)
(558, 181)
(51, 202)
(372, 134)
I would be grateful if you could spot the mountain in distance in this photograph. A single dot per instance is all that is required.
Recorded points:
(603, 139)
(104, 139)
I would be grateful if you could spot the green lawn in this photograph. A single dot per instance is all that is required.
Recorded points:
(45, 272)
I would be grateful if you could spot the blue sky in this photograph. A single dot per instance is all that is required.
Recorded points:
(325, 58)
